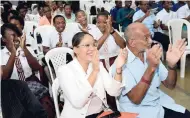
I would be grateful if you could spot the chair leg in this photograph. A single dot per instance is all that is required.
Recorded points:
(182, 66)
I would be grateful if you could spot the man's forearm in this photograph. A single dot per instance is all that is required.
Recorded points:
(119, 40)
(137, 93)
(141, 19)
(33, 63)
(172, 79)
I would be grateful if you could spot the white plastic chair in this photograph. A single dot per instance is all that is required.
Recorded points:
(55, 88)
(91, 18)
(44, 31)
(58, 58)
(175, 33)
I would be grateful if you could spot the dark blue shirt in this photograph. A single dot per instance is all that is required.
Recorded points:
(113, 13)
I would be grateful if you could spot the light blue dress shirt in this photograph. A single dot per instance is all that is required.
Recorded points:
(154, 100)
(148, 21)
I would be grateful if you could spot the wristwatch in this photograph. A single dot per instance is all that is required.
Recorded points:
(112, 31)
(172, 68)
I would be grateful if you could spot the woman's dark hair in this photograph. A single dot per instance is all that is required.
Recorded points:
(103, 14)
(10, 26)
(14, 12)
(4, 16)
(20, 19)
(77, 38)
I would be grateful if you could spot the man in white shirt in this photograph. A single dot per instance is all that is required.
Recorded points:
(165, 15)
(143, 74)
(57, 38)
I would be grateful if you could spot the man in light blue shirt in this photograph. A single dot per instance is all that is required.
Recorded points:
(147, 17)
(144, 72)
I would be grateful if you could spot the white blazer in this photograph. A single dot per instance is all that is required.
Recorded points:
(77, 90)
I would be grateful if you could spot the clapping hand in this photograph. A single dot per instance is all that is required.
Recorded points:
(83, 29)
(122, 58)
(175, 52)
(59, 44)
(109, 25)
(23, 41)
(95, 61)
(153, 56)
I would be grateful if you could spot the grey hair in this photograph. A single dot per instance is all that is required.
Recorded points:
(129, 33)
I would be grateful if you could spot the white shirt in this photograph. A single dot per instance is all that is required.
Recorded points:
(112, 49)
(183, 12)
(154, 99)
(53, 39)
(148, 21)
(165, 16)
(73, 28)
(72, 19)
(79, 94)
(5, 54)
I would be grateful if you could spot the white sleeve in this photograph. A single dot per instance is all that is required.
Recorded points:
(78, 92)
(127, 79)
(163, 72)
(47, 41)
(136, 17)
(181, 13)
(112, 86)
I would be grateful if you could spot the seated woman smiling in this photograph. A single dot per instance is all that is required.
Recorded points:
(84, 80)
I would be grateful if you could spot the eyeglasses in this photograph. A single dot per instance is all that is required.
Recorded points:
(95, 44)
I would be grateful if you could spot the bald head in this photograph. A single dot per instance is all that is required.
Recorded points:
(133, 30)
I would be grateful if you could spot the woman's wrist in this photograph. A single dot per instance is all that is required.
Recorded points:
(119, 71)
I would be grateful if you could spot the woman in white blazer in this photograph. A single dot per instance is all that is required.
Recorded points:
(84, 80)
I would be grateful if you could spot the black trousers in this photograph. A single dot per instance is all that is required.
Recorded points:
(173, 114)
(163, 39)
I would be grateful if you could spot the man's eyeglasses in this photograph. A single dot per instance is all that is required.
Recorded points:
(95, 44)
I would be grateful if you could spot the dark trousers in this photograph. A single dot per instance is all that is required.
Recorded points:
(163, 39)
(110, 99)
(173, 114)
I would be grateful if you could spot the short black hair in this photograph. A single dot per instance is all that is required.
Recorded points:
(67, 5)
(20, 19)
(4, 16)
(10, 26)
(58, 16)
(21, 6)
(77, 38)
(14, 12)
(103, 14)
(78, 12)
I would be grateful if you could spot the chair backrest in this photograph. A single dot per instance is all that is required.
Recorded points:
(58, 58)
(44, 31)
(55, 88)
(175, 29)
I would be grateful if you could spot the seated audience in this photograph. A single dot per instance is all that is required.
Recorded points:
(165, 15)
(53, 8)
(47, 17)
(22, 9)
(145, 16)
(87, 76)
(114, 14)
(24, 102)
(68, 14)
(144, 72)
(19, 62)
(125, 15)
(57, 38)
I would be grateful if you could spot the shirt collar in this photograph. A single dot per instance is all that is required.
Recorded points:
(132, 57)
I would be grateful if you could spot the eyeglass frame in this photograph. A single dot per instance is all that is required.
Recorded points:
(95, 44)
